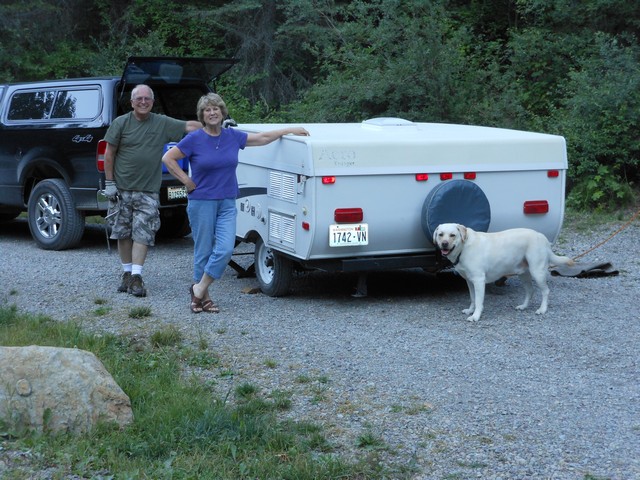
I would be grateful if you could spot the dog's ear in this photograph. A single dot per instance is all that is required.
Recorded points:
(462, 230)
(435, 234)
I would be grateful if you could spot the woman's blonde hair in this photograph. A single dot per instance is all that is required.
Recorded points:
(211, 99)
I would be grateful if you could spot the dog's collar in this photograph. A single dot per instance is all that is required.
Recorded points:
(457, 258)
(453, 263)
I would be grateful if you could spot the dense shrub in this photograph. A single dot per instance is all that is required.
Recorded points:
(540, 65)
(600, 118)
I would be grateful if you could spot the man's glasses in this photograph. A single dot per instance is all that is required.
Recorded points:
(143, 99)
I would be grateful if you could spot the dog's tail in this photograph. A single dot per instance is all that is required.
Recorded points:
(555, 260)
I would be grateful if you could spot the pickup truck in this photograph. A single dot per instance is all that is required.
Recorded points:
(368, 196)
(52, 152)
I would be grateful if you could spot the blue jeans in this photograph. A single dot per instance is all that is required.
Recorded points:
(213, 228)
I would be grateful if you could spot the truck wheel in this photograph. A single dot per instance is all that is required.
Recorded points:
(174, 223)
(456, 201)
(54, 222)
(274, 271)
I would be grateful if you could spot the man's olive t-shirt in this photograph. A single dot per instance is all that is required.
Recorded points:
(138, 162)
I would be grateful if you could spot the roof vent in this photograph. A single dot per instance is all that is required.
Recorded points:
(388, 122)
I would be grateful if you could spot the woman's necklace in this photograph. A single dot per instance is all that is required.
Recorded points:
(219, 137)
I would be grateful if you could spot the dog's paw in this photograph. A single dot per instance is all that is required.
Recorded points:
(473, 318)
(468, 311)
(521, 307)
(541, 311)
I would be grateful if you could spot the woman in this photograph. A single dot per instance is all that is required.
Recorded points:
(212, 191)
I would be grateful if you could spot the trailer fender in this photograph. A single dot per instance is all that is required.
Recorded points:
(456, 201)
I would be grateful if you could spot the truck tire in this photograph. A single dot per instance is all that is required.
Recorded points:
(54, 222)
(456, 201)
(273, 271)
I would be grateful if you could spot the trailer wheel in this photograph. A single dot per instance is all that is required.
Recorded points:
(54, 222)
(456, 201)
(273, 271)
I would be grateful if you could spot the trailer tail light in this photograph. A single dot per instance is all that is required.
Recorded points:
(553, 174)
(533, 207)
(100, 152)
(446, 176)
(328, 180)
(306, 226)
(422, 177)
(348, 215)
(469, 175)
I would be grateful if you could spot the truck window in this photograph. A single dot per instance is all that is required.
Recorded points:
(31, 105)
(77, 104)
(54, 104)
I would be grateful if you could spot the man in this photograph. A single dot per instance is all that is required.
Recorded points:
(133, 175)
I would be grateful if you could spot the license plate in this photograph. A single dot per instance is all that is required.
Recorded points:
(175, 193)
(351, 235)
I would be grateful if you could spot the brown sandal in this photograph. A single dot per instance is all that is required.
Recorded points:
(196, 303)
(210, 307)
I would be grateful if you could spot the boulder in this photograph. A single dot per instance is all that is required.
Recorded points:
(58, 390)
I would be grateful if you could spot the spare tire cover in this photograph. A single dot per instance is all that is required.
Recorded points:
(456, 201)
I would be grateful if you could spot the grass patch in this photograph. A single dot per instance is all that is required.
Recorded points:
(303, 379)
(586, 221)
(281, 400)
(370, 440)
(270, 363)
(200, 358)
(140, 312)
(418, 408)
(246, 391)
(167, 337)
(101, 311)
(181, 429)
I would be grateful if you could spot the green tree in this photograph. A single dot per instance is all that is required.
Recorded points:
(550, 65)
(275, 44)
(600, 118)
(577, 71)
(39, 38)
(385, 57)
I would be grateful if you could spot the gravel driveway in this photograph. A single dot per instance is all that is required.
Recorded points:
(513, 396)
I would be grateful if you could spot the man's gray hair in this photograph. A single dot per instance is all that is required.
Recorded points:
(138, 87)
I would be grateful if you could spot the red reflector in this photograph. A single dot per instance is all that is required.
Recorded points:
(348, 215)
(305, 225)
(328, 180)
(446, 176)
(422, 177)
(553, 174)
(536, 207)
(102, 149)
(469, 175)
